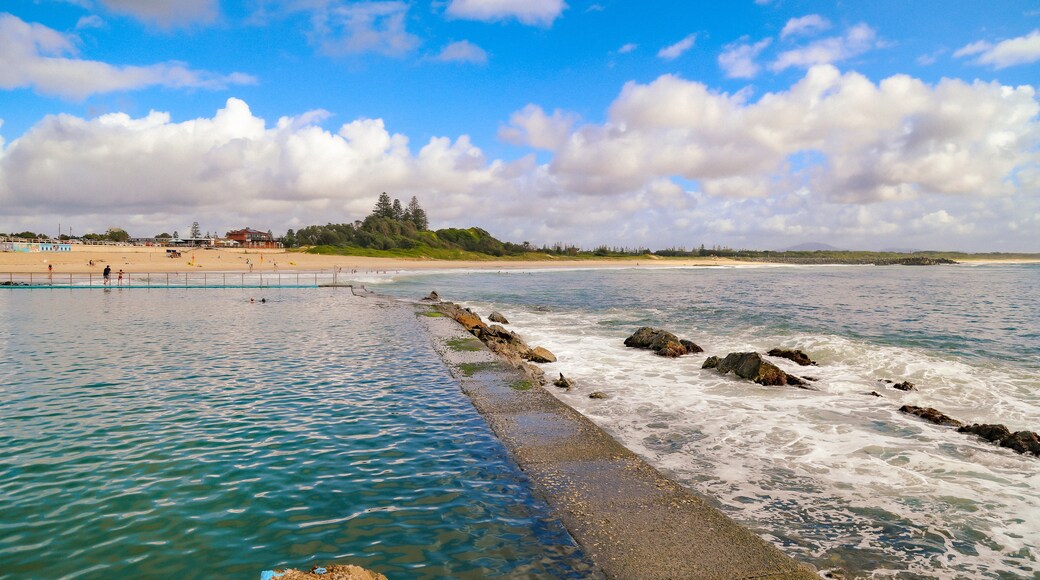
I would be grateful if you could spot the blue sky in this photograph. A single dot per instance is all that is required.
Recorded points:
(750, 123)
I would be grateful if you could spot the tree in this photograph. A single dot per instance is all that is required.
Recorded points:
(176, 235)
(163, 235)
(384, 207)
(117, 235)
(417, 215)
(290, 239)
(195, 231)
(398, 211)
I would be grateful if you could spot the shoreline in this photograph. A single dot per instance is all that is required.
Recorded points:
(631, 520)
(141, 259)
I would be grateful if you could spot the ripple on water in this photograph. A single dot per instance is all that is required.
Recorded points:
(193, 434)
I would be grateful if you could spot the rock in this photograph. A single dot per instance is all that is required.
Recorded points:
(690, 346)
(598, 395)
(905, 386)
(930, 414)
(712, 362)
(877, 394)
(751, 366)
(795, 355)
(330, 572)
(1022, 441)
(563, 382)
(661, 342)
(433, 297)
(540, 355)
(496, 316)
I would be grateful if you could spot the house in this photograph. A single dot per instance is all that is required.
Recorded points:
(250, 238)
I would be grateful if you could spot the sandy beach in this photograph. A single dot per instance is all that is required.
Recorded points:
(138, 259)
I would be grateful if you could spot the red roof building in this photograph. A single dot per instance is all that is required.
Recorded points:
(251, 238)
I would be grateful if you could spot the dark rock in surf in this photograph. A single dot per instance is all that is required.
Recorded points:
(751, 366)
(496, 316)
(563, 382)
(1026, 442)
(432, 297)
(876, 394)
(930, 414)
(905, 386)
(661, 342)
(712, 362)
(598, 395)
(794, 355)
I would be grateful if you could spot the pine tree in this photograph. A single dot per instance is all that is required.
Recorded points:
(195, 231)
(417, 215)
(384, 207)
(398, 212)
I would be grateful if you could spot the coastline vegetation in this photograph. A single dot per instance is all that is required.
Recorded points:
(396, 231)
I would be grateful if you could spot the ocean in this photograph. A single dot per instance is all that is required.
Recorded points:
(188, 433)
(835, 477)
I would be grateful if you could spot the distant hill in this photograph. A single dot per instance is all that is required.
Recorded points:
(812, 247)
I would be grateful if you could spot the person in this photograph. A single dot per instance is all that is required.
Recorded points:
(108, 274)
(120, 281)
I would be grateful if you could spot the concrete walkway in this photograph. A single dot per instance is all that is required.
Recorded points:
(633, 522)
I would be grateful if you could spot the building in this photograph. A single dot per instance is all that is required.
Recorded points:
(250, 238)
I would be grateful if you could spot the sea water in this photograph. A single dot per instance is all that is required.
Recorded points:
(836, 477)
(193, 434)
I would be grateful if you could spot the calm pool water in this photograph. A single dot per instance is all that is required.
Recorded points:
(189, 434)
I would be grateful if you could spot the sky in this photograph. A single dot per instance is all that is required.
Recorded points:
(759, 124)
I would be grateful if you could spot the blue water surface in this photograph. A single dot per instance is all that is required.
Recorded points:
(192, 434)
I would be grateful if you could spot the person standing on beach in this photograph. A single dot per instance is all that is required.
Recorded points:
(108, 274)
(120, 280)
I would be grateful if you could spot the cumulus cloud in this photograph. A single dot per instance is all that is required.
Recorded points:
(462, 51)
(166, 13)
(856, 40)
(627, 48)
(1011, 52)
(532, 127)
(738, 60)
(899, 139)
(361, 27)
(805, 25)
(531, 12)
(676, 50)
(33, 55)
(836, 158)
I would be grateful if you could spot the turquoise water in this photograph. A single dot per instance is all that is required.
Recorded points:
(190, 434)
(835, 477)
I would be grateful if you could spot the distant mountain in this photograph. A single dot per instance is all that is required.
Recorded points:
(812, 247)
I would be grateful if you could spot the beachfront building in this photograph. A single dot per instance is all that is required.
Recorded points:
(35, 247)
(250, 238)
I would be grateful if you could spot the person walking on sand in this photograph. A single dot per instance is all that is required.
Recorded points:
(108, 274)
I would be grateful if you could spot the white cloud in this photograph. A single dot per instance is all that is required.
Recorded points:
(738, 60)
(361, 27)
(166, 13)
(462, 51)
(531, 12)
(627, 48)
(531, 126)
(33, 55)
(856, 41)
(90, 21)
(1011, 52)
(676, 50)
(809, 24)
(836, 158)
